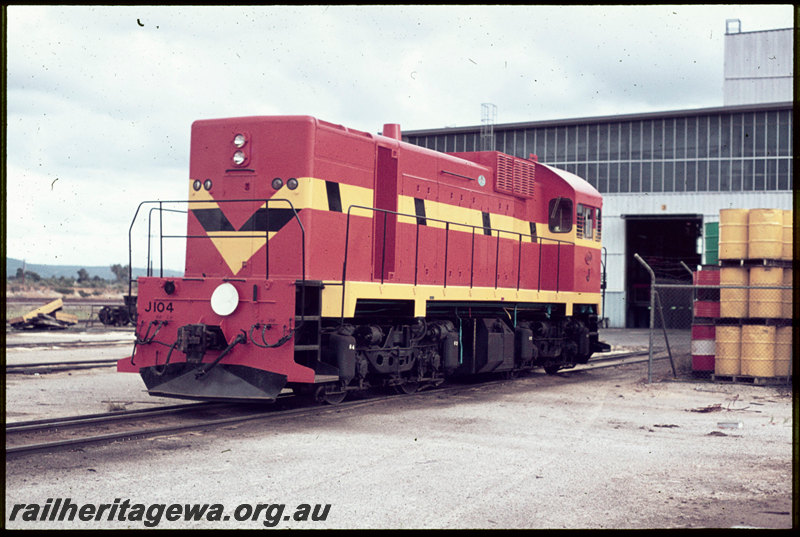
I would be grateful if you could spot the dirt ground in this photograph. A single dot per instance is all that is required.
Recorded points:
(581, 449)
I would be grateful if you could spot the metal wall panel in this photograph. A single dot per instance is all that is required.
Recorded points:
(758, 67)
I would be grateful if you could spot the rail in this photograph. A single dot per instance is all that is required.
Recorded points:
(447, 224)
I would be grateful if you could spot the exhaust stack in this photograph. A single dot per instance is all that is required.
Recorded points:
(392, 130)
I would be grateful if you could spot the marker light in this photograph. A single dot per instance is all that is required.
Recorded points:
(224, 299)
(239, 158)
(239, 140)
(277, 183)
(169, 287)
(291, 183)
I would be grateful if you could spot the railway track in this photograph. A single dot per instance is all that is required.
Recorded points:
(52, 367)
(29, 368)
(68, 344)
(73, 432)
(76, 431)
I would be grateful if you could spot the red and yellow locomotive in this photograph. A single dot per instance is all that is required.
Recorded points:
(326, 260)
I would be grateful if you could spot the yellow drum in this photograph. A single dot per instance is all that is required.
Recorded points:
(758, 350)
(787, 312)
(733, 227)
(783, 351)
(728, 350)
(788, 235)
(733, 302)
(766, 303)
(765, 234)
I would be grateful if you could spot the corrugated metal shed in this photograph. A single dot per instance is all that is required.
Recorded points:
(758, 67)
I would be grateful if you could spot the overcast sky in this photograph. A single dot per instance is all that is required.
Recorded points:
(101, 99)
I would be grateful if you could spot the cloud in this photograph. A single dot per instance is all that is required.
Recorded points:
(101, 98)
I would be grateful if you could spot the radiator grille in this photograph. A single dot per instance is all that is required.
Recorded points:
(515, 176)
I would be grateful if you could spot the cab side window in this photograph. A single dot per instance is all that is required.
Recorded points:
(560, 215)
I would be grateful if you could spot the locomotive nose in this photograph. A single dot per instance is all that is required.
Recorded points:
(223, 383)
(194, 379)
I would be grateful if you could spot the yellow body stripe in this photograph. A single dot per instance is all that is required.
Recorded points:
(237, 247)
(198, 196)
(311, 194)
(421, 294)
(355, 195)
(474, 217)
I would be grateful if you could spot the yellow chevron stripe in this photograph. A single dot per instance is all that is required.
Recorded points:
(237, 247)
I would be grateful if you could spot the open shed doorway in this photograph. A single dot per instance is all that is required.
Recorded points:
(663, 242)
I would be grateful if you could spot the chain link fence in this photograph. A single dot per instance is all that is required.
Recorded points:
(727, 323)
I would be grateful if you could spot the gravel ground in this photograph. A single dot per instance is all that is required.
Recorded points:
(588, 449)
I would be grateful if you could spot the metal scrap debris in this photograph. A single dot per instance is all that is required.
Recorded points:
(710, 408)
(47, 317)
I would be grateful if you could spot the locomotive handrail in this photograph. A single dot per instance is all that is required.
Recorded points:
(150, 235)
(161, 210)
(447, 223)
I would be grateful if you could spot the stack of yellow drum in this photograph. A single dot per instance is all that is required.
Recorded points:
(754, 332)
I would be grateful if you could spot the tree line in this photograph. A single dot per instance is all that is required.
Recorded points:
(121, 275)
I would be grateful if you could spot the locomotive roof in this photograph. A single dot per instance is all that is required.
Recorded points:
(581, 186)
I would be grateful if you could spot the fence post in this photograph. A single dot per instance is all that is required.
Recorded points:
(652, 314)
(664, 329)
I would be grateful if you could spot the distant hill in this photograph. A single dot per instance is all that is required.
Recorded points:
(71, 271)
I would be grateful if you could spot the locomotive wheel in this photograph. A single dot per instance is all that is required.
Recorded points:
(329, 394)
(551, 369)
(122, 317)
(106, 316)
(407, 387)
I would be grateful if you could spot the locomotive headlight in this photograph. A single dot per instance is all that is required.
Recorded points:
(224, 299)
(277, 183)
(291, 183)
(197, 184)
(207, 184)
(239, 158)
(239, 140)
